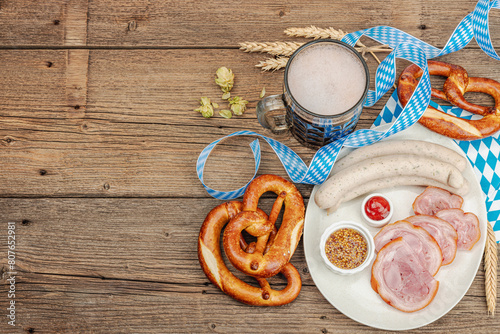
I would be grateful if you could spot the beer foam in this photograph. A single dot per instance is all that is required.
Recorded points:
(326, 78)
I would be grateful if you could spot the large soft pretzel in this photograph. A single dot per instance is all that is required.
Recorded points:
(281, 249)
(209, 254)
(455, 86)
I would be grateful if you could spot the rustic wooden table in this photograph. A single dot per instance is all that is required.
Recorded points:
(99, 142)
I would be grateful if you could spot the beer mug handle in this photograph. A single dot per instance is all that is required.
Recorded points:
(271, 114)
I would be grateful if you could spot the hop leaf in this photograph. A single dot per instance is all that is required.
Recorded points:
(238, 105)
(225, 79)
(226, 113)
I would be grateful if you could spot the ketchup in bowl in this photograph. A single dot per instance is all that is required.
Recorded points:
(377, 210)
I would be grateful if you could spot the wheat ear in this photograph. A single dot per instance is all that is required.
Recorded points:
(490, 270)
(274, 48)
(283, 50)
(315, 32)
(272, 64)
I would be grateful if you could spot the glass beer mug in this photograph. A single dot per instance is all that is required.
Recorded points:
(325, 86)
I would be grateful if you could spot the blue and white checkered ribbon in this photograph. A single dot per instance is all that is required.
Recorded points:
(474, 25)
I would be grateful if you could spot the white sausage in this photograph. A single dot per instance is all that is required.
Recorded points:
(404, 180)
(390, 147)
(339, 185)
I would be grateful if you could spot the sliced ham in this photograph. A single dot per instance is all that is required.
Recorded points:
(443, 232)
(400, 279)
(466, 225)
(421, 242)
(435, 199)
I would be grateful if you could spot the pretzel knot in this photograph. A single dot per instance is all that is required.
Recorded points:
(267, 256)
(456, 85)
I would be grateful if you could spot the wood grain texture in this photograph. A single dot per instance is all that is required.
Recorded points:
(120, 124)
(130, 265)
(75, 25)
(99, 141)
(234, 21)
(103, 306)
(196, 23)
(31, 23)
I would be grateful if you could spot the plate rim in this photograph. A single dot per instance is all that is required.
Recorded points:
(480, 243)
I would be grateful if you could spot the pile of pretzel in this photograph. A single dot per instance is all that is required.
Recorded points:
(267, 256)
(456, 85)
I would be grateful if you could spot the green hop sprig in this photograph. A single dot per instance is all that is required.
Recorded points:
(238, 105)
(206, 108)
(225, 80)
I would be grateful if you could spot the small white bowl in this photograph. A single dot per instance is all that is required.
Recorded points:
(357, 227)
(377, 223)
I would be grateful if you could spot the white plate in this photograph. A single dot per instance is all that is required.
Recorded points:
(353, 295)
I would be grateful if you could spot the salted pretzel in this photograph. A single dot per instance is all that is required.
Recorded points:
(455, 86)
(210, 257)
(281, 249)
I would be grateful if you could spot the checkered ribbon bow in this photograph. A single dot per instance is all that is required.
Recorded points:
(483, 154)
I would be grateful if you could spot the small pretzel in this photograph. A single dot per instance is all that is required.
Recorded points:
(209, 255)
(281, 249)
(455, 86)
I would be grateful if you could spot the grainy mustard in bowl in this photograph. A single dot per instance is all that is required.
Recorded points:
(347, 247)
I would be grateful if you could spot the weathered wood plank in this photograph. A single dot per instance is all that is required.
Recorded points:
(75, 22)
(126, 23)
(55, 23)
(65, 304)
(162, 23)
(133, 239)
(125, 128)
(216, 23)
(130, 265)
(104, 108)
(136, 239)
(76, 82)
(173, 24)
